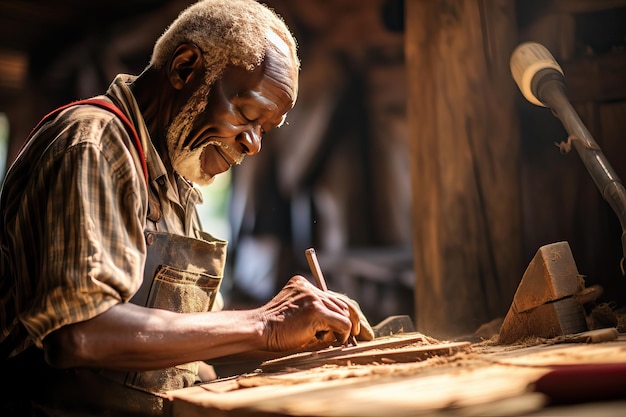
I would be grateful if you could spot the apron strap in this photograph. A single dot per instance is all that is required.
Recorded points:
(130, 128)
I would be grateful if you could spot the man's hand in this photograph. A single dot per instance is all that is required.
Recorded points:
(301, 316)
(366, 332)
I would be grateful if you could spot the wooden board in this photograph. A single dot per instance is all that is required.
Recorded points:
(406, 348)
(491, 380)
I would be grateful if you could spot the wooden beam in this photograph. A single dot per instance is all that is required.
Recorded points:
(464, 139)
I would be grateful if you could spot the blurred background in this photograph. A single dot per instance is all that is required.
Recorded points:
(411, 162)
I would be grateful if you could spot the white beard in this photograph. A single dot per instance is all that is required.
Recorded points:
(185, 161)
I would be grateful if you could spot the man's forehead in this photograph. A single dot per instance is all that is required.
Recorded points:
(280, 77)
(279, 43)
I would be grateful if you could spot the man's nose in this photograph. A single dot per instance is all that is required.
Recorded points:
(250, 141)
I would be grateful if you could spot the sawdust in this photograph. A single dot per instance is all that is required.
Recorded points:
(494, 346)
(602, 316)
(489, 329)
(330, 372)
(607, 315)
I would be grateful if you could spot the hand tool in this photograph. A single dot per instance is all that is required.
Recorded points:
(394, 325)
(311, 258)
(541, 80)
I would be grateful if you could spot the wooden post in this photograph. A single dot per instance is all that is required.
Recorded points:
(464, 140)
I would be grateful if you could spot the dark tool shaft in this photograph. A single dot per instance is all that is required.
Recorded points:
(599, 168)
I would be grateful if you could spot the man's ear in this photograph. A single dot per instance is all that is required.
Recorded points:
(186, 61)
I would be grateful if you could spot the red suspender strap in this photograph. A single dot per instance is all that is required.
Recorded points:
(113, 109)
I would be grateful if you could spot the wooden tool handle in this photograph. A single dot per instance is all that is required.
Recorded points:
(315, 269)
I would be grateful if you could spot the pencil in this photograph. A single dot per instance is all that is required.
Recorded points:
(311, 258)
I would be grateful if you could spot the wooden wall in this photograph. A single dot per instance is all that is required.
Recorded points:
(489, 186)
(464, 142)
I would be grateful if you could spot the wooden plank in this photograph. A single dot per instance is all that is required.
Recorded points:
(464, 141)
(492, 380)
(372, 395)
(333, 351)
(388, 351)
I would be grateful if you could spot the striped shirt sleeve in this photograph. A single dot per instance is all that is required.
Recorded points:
(76, 221)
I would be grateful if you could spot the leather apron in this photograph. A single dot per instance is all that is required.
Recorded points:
(182, 274)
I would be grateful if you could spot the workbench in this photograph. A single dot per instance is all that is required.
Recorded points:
(535, 377)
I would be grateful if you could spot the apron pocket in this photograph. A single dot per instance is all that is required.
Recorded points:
(182, 291)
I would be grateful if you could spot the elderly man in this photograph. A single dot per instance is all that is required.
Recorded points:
(107, 280)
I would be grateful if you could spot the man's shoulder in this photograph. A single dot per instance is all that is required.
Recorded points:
(78, 136)
(88, 123)
(81, 128)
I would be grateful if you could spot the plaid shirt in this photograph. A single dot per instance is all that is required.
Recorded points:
(74, 208)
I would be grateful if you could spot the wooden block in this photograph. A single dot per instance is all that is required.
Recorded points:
(551, 275)
(562, 317)
(545, 303)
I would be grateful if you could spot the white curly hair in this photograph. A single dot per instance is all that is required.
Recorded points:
(228, 32)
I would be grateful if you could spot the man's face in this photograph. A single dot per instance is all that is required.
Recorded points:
(240, 108)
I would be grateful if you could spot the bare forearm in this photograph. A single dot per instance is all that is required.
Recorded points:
(127, 336)
(138, 338)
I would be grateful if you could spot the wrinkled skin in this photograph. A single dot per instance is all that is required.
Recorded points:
(309, 317)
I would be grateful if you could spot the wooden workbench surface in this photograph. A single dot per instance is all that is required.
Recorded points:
(485, 379)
